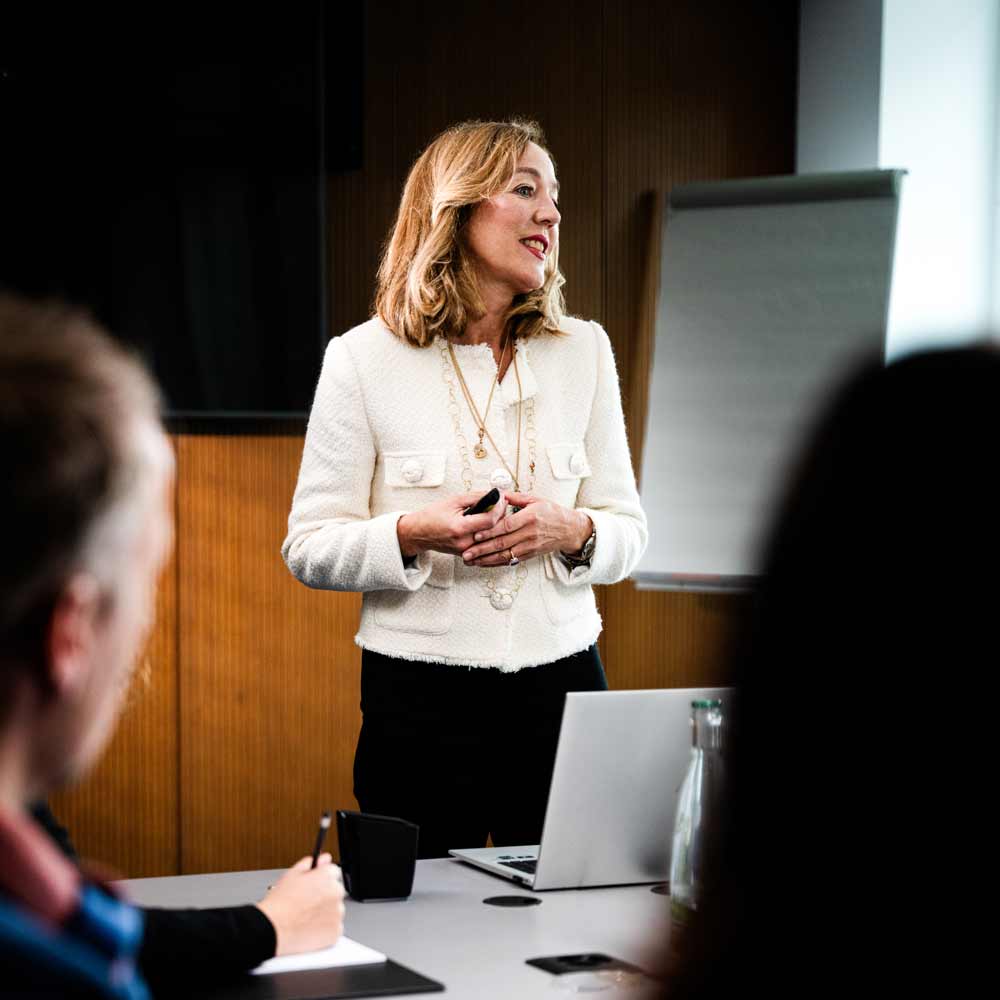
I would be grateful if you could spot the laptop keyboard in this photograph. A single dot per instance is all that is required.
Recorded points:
(522, 866)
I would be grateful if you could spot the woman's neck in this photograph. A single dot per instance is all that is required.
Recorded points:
(488, 328)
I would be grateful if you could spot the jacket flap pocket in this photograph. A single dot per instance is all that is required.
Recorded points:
(414, 468)
(442, 570)
(569, 460)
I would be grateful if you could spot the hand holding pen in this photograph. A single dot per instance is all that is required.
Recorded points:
(306, 905)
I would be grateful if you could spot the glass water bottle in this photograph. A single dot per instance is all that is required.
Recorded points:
(698, 806)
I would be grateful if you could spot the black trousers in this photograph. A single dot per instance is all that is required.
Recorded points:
(464, 752)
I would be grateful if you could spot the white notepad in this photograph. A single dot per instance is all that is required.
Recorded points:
(344, 952)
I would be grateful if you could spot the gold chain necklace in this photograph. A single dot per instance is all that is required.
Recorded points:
(500, 598)
(479, 451)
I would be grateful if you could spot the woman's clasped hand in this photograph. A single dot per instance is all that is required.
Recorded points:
(443, 526)
(538, 527)
(531, 525)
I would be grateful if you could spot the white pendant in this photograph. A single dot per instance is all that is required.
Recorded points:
(501, 479)
(501, 598)
(479, 451)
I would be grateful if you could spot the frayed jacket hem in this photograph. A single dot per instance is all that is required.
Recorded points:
(506, 667)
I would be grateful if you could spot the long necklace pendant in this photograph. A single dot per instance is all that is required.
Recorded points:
(501, 598)
(479, 451)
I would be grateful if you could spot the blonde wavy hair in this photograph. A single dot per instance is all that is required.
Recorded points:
(427, 280)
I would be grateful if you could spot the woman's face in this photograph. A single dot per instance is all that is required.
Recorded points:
(511, 234)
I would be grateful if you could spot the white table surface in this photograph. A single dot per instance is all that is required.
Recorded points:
(446, 932)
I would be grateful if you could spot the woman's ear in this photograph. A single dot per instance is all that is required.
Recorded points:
(71, 638)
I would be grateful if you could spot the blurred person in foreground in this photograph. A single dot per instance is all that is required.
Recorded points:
(85, 509)
(859, 841)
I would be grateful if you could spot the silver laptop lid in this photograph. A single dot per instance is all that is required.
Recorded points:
(621, 760)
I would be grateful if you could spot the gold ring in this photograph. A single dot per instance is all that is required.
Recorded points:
(513, 558)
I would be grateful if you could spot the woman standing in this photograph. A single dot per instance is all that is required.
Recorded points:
(469, 378)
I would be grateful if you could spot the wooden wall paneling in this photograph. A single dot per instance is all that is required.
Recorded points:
(269, 673)
(692, 92)
(125, 812)
(655, 639)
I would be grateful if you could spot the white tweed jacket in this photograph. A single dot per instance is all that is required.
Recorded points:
(381, 442)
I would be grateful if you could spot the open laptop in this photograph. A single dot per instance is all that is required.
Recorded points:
(621, 760)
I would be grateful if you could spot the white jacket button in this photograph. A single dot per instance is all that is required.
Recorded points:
(500, 478)
(578, 464)
(413, 471)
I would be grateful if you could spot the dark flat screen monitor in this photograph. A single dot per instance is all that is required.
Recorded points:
(165, 166)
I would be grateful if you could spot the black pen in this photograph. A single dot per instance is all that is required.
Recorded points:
(324, 825)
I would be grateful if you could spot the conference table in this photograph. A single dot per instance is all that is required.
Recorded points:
(446, 932)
